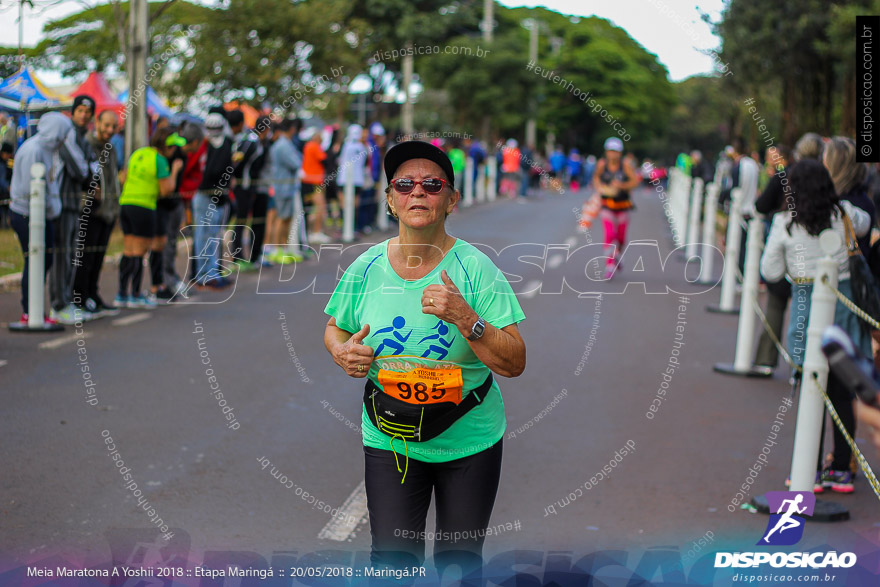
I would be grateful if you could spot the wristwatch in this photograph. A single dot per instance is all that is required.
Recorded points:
(477, 330)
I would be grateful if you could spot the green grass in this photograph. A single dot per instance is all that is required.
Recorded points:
(12, 260)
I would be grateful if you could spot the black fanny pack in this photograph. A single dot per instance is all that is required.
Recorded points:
(413, 422)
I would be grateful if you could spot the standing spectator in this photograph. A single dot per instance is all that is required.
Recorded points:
(772, 200)
(376, 145)
(261, 177)
(166, 208)
(246, 147)
(849, 178)
(700, 167)
(118, 141)
(459, 163)
(745, 175)
(80, 163)
(286, 162)
(332, 146)
(312, 182)
(557, 163)
(171, 211)
(352, 162)
(476, 152)
(149, 177)
(526, 161)
(52, 130)
(575, 168)
(589, 168)
(211, 204)
(99, 217)
(793, 246)
(6, 151)
(510, 168)
(8, 130)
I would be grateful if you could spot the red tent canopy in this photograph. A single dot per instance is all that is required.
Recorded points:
(96, 87)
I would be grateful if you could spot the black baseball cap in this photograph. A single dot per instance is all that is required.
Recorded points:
(402, 152)
(83, 100)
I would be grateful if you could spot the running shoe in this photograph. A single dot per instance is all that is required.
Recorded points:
(93, 308)
(46, 320)
(264, 262)
(142, 301)
(83, 314)
(164, 294)
(818, 487)
(105, 309)
(838, 481)
(319, 237)
(215, 284)
(121, 301)
(66, 315)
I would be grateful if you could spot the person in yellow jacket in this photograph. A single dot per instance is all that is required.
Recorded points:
(148, 177)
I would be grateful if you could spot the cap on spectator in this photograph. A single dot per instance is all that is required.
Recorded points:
(613, 144)
(83, 100)
(175, 140)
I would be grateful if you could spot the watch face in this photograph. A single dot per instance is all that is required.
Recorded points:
(479, 327)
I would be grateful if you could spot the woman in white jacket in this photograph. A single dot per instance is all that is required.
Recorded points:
(793, 248)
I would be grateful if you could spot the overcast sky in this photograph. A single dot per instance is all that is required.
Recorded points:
(671, 29)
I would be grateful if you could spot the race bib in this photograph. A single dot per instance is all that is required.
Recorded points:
(423, 385)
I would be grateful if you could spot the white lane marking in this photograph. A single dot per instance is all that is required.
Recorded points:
(555, 261)
(139, 317)
(571, 241)
(352, 512)
(62, 340)
(3, 363)
(531, 289)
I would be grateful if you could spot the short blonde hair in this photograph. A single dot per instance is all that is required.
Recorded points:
(840, 159)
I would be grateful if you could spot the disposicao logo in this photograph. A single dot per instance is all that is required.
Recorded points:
(785, 528)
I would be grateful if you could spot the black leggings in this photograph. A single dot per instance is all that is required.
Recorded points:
(465, 490)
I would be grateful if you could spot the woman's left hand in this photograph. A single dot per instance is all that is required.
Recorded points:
(447, 303)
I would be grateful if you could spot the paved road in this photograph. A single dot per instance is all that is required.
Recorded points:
(202, 474)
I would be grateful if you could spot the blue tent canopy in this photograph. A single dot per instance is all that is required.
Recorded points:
(26, 89)
(155, 105)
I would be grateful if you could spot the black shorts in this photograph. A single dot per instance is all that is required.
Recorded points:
(137, 221)
(307, 189)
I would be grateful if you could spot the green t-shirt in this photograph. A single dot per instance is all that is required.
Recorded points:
(458, 160)
(145, 168)
(403, 338)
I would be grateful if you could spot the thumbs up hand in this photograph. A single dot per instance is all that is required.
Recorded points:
(446, 302)
(354, 356)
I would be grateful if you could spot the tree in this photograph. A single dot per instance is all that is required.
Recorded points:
(797, 54)
(96, 39)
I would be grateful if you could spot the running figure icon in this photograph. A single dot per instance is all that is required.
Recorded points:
(397, 324)
(442, 330)
(786, 522)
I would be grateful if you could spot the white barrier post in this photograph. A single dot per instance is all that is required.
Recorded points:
(468, 182)
(481, 183)
(684, 201)
(381, 213)
(493, 174)
(693, 233)
(672, 187)
(36, 257)
(348, 212)
(299, 224)
(731, 258)
(745, 333)
(708, 258)
(811, 406)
